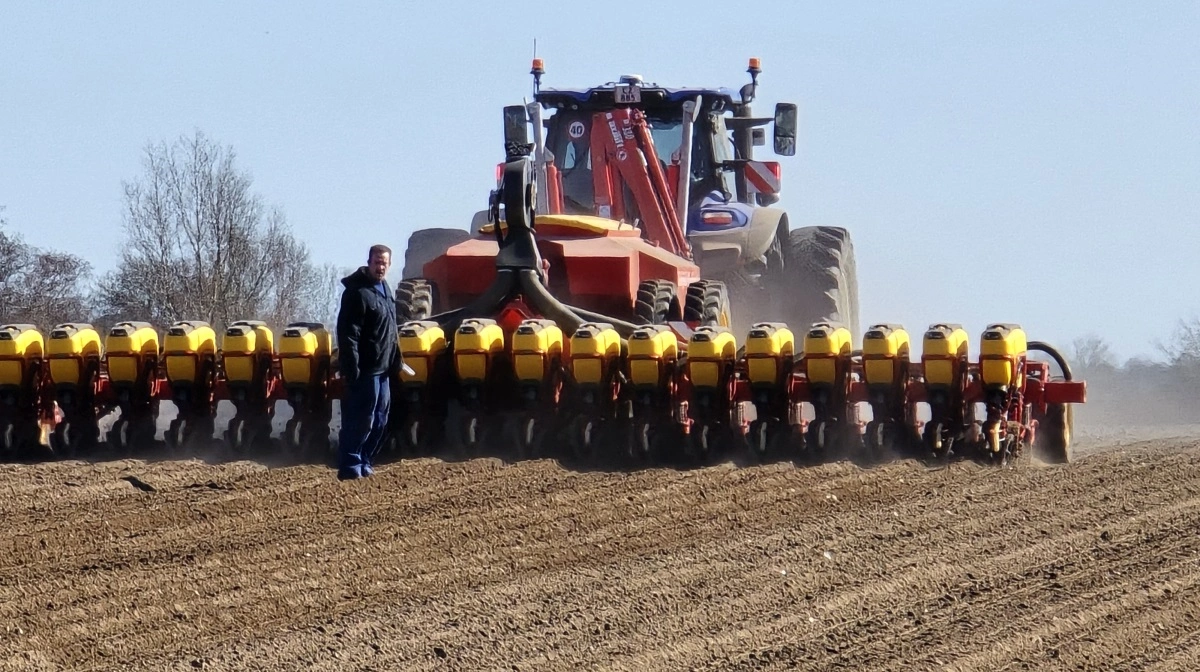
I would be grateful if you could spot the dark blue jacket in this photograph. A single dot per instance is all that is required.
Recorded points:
(366, 328)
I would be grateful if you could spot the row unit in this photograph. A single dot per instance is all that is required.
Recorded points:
(651, 350)
(130, 347)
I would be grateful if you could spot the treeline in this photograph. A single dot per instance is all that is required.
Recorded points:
(1141, 391)
(198, 244)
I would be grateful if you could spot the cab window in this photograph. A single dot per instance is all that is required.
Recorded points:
(723, 150)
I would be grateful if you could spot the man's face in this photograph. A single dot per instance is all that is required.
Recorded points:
(378, 265)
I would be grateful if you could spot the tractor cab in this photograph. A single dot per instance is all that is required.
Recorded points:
(676, 164)
(718, 159)
(569, 138)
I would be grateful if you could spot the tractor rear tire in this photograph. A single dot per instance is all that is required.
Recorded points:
(821, 279)
(656, 303)
(707, 302)
(414, 300)
(1054, 434)
(426, 245)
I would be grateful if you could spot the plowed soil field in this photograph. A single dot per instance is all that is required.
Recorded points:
(475, 565)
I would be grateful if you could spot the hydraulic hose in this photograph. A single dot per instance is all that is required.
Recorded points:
(568, 317)
(1054, 354)
(485, 305)
(519, 263)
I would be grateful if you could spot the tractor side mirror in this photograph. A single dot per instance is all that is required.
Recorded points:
(516, 126)
(747, 92)
(785, 128)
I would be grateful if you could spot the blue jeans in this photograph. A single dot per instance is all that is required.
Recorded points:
(365, 409)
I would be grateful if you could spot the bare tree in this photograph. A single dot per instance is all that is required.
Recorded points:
(1092, 353)
(40, 287)
(1184, 348)
(200, 245)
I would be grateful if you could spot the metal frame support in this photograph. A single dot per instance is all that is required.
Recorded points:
(691, 111)
(540, 157)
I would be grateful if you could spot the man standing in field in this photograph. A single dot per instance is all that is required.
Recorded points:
(368, 357)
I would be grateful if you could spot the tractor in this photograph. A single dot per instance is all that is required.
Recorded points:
(632, 206)
(724, 198)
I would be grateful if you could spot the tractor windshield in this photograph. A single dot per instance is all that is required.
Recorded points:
(668, 135)
(569, 140)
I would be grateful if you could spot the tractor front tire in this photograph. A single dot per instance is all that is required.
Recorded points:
(414, 300)
(656, 303)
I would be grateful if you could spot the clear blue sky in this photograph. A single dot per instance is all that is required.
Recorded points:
(995, 161)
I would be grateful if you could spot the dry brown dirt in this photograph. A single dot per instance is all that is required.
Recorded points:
(484, 565)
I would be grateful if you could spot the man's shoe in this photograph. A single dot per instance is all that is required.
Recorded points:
(345, 474)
